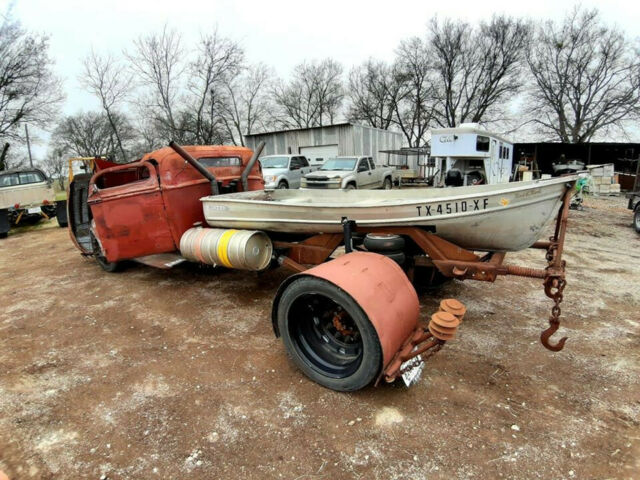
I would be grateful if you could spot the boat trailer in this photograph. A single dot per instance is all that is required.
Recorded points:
(375, 286)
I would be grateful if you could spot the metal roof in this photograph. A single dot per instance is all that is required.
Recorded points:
(343, 124)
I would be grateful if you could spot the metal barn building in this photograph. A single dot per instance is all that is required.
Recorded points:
(320, 143)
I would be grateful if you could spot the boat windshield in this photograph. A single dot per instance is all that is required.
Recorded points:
(339, 164)
(274, 162)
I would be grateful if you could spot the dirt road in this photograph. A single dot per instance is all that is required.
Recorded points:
(176, 374)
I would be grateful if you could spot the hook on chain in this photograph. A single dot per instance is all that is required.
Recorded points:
(553, 288)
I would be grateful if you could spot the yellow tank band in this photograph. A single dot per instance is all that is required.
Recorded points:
(223, 245)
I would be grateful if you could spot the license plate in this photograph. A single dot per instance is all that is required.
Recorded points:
(412, 375)
(34, 210)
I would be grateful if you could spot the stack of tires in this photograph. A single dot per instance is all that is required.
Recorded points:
(386, 244)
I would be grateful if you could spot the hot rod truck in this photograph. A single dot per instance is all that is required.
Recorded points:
(346, 321)
(139, 210)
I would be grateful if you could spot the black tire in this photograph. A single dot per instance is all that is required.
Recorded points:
(337, 360)
(5, 224)
(636, 219)
(398, 257)
(61, 213)
(426, 279)
(106, 265)
(387, 185)
(383, 242)
(282, 185)
(351, 186)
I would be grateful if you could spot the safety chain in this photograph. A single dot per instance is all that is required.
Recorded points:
(553, 288)
(414, 362)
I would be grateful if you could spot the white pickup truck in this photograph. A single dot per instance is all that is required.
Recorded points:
(27, 194)
(349, 173)
(284, 171)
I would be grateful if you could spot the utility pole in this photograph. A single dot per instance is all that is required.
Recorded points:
(26, 131)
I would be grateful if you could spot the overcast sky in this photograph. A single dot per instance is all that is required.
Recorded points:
(278, 33)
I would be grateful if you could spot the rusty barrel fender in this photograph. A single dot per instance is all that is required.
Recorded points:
(379, 287)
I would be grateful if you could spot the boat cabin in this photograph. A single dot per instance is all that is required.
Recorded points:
(470, 155)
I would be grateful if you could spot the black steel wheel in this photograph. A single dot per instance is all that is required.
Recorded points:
(327, 335)
(636, 219)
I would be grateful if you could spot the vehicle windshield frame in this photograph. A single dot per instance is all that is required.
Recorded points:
(275, 157)
(328, 165)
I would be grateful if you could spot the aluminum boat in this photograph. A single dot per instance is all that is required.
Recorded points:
(501, 217)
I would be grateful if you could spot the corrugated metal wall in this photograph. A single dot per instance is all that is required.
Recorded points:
(351, 140)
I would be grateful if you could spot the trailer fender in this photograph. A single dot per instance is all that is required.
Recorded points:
(378, 286)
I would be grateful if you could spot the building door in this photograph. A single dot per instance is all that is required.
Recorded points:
(318, 155)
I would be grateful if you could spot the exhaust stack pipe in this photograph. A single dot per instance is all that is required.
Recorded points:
(252, 162)
(194, 163)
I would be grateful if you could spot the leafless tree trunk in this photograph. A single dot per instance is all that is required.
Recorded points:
(29, 91)
(477, 71)
(312, 96)
(91, 134)
(157, 61)
(219, 62)
(246, 105)
(55, 166)
(3, 156)
(414, 113)
(375, 88)
(111, 83)
(587, 78)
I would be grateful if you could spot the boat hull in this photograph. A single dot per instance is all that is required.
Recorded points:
(507, 217)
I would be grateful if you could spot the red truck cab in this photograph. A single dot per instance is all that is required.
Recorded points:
(120, 212)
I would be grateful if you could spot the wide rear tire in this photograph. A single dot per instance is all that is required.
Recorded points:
(343, 355)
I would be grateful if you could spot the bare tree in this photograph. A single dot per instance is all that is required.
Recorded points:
(29, 91)
(157, 61)
(477, 71)
(246, 105)
(587, 78)
(55, 166)
(415, 112)
(218, 63)
(111, 83)
(312, 97)
(375, 89)
(91, 134)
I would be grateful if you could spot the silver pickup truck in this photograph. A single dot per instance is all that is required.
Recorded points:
(350, 173)
(284, 171)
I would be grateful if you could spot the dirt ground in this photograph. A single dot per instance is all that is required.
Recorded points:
(177, 374)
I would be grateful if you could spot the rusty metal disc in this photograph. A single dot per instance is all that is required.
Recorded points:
(454, 307)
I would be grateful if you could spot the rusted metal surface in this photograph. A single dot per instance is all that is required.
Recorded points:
(443, 325)
(313, 250)
(143, 208)
(424, 341)
(454, 307)
(380, 287)
(194, 163)
(456, 262)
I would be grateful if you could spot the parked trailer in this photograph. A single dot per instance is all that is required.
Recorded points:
(346, 322)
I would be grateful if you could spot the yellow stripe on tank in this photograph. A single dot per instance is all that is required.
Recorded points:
(223, 245)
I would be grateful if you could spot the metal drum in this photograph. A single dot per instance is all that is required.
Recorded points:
(240, 249)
